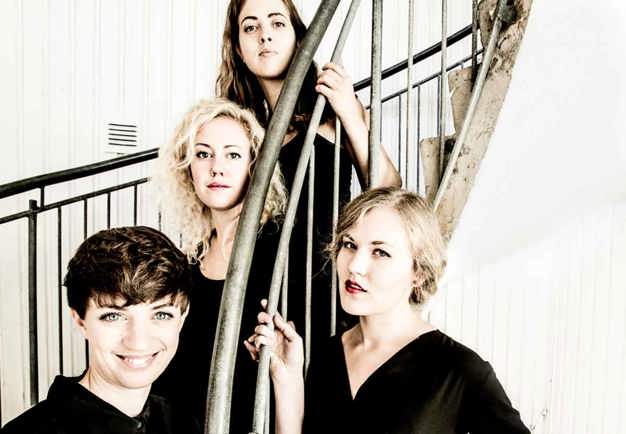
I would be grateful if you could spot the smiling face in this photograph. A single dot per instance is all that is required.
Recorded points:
(130, 346)
(220, 163)
(375, 264)
(267, 39)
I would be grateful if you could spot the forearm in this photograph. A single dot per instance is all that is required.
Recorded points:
(289, 402)
(358, 138)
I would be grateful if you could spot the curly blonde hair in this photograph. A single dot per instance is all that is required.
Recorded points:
(177, 198)
(420, 223)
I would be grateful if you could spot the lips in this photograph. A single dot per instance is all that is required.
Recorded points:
(353, 288)
(267, 52)
(217, 185)
(137, 362)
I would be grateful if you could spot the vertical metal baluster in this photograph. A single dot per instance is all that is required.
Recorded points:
(442, 83)
(375, 101)
(419, 134)
(309, 262)
(60, 284)
(109, 211)
(410, 131)
(474, 38)
(400, 142)
(159, 219)
(267, 411)
(135, 205)
(42, 196)
(32, 302)
(333, 274)
(284, 296)
(84, 237)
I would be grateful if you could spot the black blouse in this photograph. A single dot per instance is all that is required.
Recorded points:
(322, 233)
(72, 409)
(185, 381)
(433, 385)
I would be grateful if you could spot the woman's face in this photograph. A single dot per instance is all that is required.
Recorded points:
(267, 39)
(220, 164)
(375, 265)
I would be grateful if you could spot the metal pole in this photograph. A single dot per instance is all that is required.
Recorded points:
(410, 131)
(309, 262)
(474, 38)
(333, 281)
(284, 296)
(60, 285)
(442, 82)
(503, 14)
(220, 381)
(32, 302)
(264, 359)
(375, 103)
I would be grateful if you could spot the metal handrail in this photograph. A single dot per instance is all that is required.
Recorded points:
(422, 55)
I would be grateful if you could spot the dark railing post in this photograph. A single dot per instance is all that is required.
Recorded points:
(375, 102)
(32, 302)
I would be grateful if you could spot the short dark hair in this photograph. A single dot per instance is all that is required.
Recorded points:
(138, 264)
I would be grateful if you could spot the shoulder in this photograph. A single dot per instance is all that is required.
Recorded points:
(455, 356)
(36, 420)
(179, 419)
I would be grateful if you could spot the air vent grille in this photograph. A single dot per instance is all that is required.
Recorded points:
(122, 134)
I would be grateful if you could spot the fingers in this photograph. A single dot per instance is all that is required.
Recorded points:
(252, 350)
(337, 68)
(288, 329)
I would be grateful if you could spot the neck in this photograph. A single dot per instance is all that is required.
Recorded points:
(128, 401)
(225, 223)
(391, 328)
(271, 90)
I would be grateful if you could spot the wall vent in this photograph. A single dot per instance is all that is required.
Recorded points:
(121, 138)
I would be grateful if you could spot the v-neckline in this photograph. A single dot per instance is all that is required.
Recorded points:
(380, 368)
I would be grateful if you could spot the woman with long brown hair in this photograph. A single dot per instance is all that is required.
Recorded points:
(259, 42)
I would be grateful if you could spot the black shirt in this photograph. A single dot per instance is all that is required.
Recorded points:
(72, 409)
(322, 235)
(433, 385)
(185, 382)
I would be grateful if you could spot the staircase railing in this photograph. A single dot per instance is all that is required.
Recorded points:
(229, 319)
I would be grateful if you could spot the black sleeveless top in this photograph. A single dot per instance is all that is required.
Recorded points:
(185, 381)
(322, 233)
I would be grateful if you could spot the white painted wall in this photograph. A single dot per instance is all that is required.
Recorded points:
(68, 67)
(537, 266)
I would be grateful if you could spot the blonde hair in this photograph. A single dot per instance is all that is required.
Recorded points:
(421, 226)
(178, 200)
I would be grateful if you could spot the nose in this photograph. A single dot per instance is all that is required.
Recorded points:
(137, 336)
(265, 35)
(358, 263)
(216, 169)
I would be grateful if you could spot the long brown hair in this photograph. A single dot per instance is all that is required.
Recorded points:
(237, 83)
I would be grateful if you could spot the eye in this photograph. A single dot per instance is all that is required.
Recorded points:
(346, 244)
(381, 253)
(279, 24)
(202, 155)
(111, 317)
(163, 316)
(248, 28)
(233, 155)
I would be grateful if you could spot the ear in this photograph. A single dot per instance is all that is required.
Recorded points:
(80, 323)
(183, 317)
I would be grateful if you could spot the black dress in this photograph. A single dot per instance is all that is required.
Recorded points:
(72, 409)
(433, 385)
(322, 233)
(185, 381)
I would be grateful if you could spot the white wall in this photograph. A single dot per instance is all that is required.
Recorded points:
(69, 67)
(537, 278)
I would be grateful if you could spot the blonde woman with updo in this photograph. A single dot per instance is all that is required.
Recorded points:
(202, 177)
(393, 372)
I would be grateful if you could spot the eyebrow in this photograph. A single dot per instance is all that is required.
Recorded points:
(125, 307)
(270, 15)
(210, 146)
(375, 243)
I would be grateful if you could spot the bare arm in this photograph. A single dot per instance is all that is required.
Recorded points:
(334, 83)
